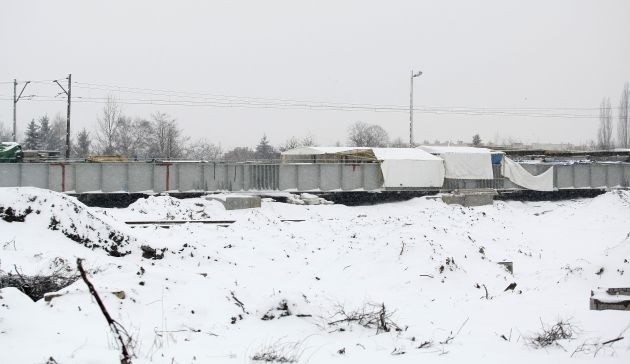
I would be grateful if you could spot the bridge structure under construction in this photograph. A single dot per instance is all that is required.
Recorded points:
(306, 174)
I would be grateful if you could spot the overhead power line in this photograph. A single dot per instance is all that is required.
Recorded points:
(30, 81)
(165, 97)
(533, 113)
(204, 95)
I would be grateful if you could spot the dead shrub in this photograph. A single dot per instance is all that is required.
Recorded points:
(279, 352)
(561, 330)
(371, 316)
(282, 310)
(36, 286)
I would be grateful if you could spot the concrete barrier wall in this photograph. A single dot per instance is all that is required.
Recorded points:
(199, 176)
(586, 175)
(190, 176)
(330, 177)
(10, 175)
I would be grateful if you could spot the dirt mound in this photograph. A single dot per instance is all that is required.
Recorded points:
(46, 209)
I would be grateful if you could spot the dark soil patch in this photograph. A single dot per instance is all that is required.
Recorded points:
(8, 214)
(151, 253)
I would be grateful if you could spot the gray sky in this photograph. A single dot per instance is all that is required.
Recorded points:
(474, 54)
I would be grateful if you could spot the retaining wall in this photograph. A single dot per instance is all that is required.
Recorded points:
(134, 177)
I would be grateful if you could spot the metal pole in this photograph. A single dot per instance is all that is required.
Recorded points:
(411, 111)
(68, 117)
(14, 111)
(16, 98)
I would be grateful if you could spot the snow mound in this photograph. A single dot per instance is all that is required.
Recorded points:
(45, 209)
(307, 199)
(621, 196)
(165, 207)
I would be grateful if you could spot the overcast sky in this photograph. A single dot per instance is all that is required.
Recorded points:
(528, 58)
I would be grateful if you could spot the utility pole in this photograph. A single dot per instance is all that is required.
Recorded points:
(69, 94)
(16, 98)
(411, 107)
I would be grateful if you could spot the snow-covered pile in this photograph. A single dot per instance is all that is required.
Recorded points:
(405, 282)
(307, 199)
(39, 210)
(164, 207)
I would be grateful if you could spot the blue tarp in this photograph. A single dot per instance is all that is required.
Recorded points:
(496, 158)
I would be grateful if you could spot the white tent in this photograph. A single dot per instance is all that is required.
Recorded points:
(464, 162)
(401, 167)
(476, 163)
(409, 167)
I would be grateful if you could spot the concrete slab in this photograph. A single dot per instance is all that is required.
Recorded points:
(470, 198)
(610, 299)
(237, 202)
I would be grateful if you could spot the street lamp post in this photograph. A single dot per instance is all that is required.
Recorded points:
(413, 75)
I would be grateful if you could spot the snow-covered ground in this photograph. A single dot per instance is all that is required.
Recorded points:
(218, 295)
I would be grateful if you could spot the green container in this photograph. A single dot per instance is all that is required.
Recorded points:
(10, 152)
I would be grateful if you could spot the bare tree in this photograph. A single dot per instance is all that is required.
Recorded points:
(132, 137)
(167, 139)
(57, 137)
(294, 142)
(400, 143)
(5, 133)
(107, 125)
(623, 125)
(203, 150)
(141, 138)
(239, 154)
(604, 135)
(362, 134)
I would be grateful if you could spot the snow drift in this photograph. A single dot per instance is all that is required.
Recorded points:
(315, 291)
(43, 209)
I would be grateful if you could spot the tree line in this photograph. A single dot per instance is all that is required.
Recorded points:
(605, 133)
(160, 137)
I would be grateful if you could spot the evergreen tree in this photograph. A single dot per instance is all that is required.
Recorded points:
(82, 146)
(476, 140)
(45, 133)
(31, 141)
(264, 150)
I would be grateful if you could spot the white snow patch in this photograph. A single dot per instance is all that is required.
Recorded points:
(428, 263)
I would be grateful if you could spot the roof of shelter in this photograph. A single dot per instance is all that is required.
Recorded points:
(375, 153)
(454, 149)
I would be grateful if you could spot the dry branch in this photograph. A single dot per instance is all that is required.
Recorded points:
(369, 316)
(238, 302)
(116, 328)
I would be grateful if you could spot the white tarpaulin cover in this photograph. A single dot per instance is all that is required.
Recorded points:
(401, 167)
(520, 176)
(464, 162)
(409, 167)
